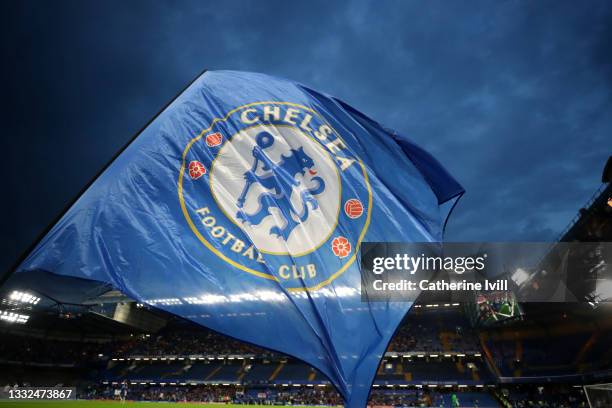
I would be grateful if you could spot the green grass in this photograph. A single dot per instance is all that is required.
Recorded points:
(108, 404)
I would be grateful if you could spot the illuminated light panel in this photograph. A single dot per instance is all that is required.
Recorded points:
(164, 302)
(11, 317)
(257, 296)
(520, 276)
(23, 297)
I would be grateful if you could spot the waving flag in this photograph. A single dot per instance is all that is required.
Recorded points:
(242, 206)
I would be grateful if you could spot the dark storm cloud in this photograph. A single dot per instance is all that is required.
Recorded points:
(513, 97)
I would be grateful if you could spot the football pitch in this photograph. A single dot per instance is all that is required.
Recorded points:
(110, 404)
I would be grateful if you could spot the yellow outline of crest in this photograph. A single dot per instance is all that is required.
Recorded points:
(254, 272)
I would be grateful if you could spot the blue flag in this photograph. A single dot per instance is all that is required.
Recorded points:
(242, 206)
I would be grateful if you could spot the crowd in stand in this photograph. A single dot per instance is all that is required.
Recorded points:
(203, 393)
(19, 348)
(515, 397)
(544, 397)
(206, 342)
(66, 352)
(295, 396)
(184, 343)
(425, 332)
(518, 397)
(215, 394)
(413, 335)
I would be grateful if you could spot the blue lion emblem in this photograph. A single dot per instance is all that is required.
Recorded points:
(280, 178)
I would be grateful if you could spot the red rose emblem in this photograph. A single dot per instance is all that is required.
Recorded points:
(196, 170)
(214, 139)
(341, 247)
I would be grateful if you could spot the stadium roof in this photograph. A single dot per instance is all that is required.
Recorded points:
(53, 289)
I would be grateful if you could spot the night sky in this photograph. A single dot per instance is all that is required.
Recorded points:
(514, 98)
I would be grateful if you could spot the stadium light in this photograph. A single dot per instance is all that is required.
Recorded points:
(520, 276)
(23, 297)
(164, 301)
(11, 317)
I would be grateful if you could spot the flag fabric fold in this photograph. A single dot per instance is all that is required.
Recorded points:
(242, 207)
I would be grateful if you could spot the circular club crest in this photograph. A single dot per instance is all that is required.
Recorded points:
(283, 197)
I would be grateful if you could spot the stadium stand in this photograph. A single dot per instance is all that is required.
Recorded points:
(440, 329)
(449, 358)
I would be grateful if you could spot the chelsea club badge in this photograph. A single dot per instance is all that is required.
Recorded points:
(272, 189)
